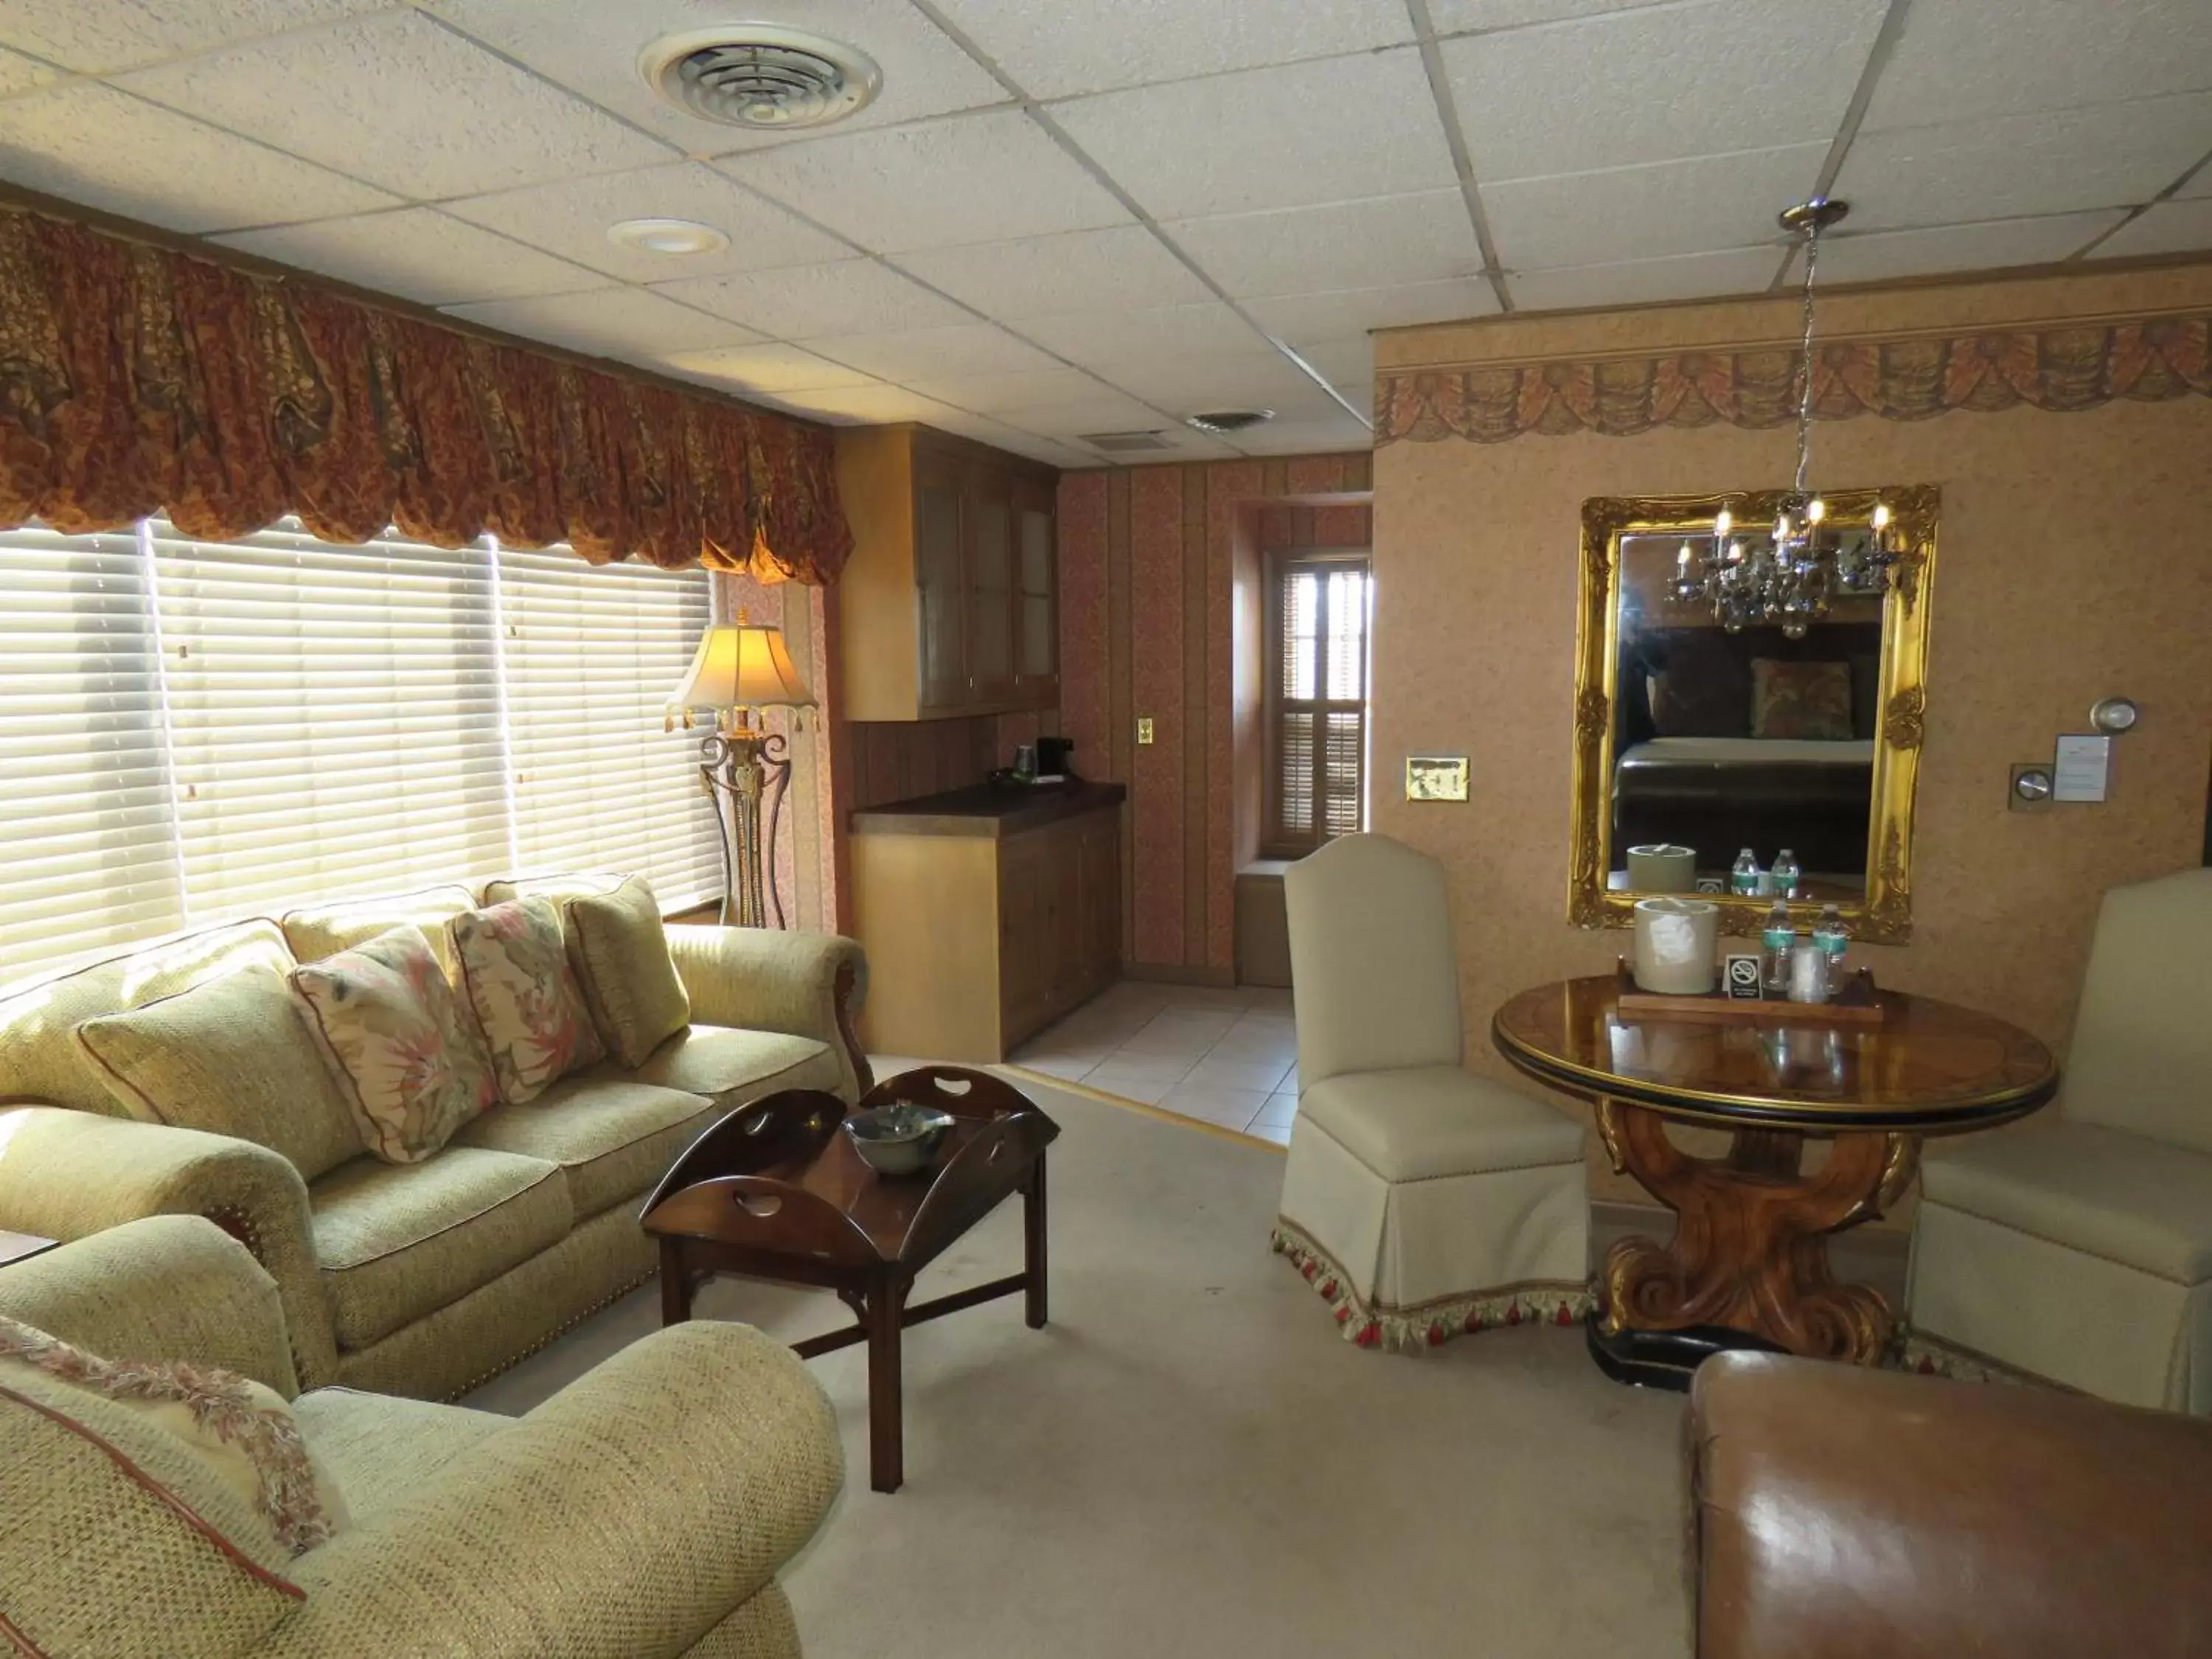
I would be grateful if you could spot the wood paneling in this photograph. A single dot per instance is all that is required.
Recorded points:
(1149, 602)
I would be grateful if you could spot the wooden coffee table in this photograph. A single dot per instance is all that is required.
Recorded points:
(774, 1191)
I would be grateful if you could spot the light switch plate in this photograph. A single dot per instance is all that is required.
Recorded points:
(1145, 729)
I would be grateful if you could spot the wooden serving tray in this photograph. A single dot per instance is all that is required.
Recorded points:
(1857, 1005)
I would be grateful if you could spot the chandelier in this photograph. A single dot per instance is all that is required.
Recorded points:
(1787, 574)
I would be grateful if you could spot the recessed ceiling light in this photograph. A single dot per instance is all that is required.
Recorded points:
(671, 236)
(1228, 420)
(760, 74)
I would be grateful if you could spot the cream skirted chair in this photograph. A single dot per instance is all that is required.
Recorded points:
(2078, 1247)
(1421, 1199)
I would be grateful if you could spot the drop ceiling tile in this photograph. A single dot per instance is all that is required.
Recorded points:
(1054, 51)
(986, 177)
(399, 102)
(153, 165)
(1348, 363)
(1630, 66)
(850, 297)
(1649, 281)
(770, 368)
(1406, 239)
(1009, 395)
(592, 46)
(2168, 228)
(1291, 136)
(1453, 17)
(2057, 161)
(1885, 254)
(1101, 340)
(1298, 318)
(863, 405)
(1967, 59)
(906, 355)
(985, 430)
(1109, 412)
(94, 37)
(571, 218)
(22, 74)
(1187, 384)
(1117, 268)
(417, 253)
(629, 322)
(1713, 202)
(1321, 435)
(2199, 184)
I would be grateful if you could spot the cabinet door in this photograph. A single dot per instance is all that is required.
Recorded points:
(1026, 933)
(940, 587)
(1099, 918)
(1037, 621)
(990, 585)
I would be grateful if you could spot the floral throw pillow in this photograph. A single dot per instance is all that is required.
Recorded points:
(409, 1061)
(1811, 700)
(239, 1431)
(514, 970)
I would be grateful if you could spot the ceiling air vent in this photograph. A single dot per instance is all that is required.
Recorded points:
(1123, 443)
(761, 76)
(1228, 420)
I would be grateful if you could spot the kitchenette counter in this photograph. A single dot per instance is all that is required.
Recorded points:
(988, 810)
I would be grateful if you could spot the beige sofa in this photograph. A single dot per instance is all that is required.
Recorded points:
(424, 1279)
(642, 1511)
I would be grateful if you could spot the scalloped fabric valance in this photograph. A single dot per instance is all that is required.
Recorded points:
(136, 379)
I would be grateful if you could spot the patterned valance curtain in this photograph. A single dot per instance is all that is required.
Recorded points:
(135, 380)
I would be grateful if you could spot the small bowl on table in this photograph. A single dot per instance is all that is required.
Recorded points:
(898, 1137)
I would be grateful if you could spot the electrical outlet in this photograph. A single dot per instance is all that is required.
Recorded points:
(1145, 729)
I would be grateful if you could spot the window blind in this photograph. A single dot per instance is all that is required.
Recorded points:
(591, 655)
(1320, 704)
(86, 858)
(334, 716)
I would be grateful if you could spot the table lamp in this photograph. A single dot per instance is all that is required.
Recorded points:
(740, 669)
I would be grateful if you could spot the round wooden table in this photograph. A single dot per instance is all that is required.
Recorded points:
(1748, 1264)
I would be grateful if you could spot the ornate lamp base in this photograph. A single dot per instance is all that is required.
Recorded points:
(742, 770)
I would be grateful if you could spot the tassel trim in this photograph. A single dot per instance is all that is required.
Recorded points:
(1428, 1324)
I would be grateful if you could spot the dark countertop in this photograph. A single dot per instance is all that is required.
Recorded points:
(995, 810)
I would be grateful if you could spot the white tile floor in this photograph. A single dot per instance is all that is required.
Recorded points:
(1224, 1056)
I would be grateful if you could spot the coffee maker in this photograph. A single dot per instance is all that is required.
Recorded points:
(1052, 763)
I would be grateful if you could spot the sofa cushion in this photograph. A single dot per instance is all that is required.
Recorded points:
(233, 1056)
(732, 1068)
(410, 1063)
(241, 1431)
(116, 1539)
(317, 931)
(516, 979)
(612, 1138)
(379, 1446)
(40, 1057)
(2106, 1192)
(636, 998)
(1430, 1120)
(398, 1241)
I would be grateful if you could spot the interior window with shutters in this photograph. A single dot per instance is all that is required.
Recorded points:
(334, 716)
(87, 856)
(591, 655)
(1317, 705)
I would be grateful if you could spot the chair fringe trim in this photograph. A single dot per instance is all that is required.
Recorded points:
(1930, 1356)
(1428, 1324)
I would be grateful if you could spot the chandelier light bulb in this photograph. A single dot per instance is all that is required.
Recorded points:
(1721, 525)
(1815, 510)
(1882, 515)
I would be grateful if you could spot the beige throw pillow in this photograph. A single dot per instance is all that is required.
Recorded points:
(234, 1057)
(239, 1431)
(514, 970)
(636, 996)
(413, 1067)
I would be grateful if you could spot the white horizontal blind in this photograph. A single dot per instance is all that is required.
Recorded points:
(591, 655)
(334, 714)
(86, 855)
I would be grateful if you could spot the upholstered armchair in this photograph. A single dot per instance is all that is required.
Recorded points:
(2078, 1247)
(1422, 1199)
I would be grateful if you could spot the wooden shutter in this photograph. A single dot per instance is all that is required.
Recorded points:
(1318, 702)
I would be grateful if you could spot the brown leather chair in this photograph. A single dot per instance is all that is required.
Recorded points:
(1837, 1511)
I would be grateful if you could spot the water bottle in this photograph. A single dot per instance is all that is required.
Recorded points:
(1776, 939)
(1743, 876)
(1829, 934)
(1788, 872)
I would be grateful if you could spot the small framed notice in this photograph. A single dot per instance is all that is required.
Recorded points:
(2084, 767)
(1740, 977)
(1436, 777)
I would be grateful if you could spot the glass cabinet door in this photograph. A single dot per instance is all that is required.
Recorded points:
(940, 593)
(991, 584)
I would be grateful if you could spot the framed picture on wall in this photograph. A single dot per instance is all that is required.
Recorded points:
(1436, 777)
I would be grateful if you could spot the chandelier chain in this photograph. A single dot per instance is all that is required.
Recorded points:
(1805, 358)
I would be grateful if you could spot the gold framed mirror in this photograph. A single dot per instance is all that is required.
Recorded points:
(1695, 739)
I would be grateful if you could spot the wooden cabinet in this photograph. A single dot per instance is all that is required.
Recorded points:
(977, 939)
(948, 605)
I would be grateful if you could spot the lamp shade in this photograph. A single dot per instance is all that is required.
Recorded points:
(740, 665)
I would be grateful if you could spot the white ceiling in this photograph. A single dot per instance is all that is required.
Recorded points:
(1058, 218)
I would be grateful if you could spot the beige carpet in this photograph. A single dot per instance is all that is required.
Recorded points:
(1188, 1460)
